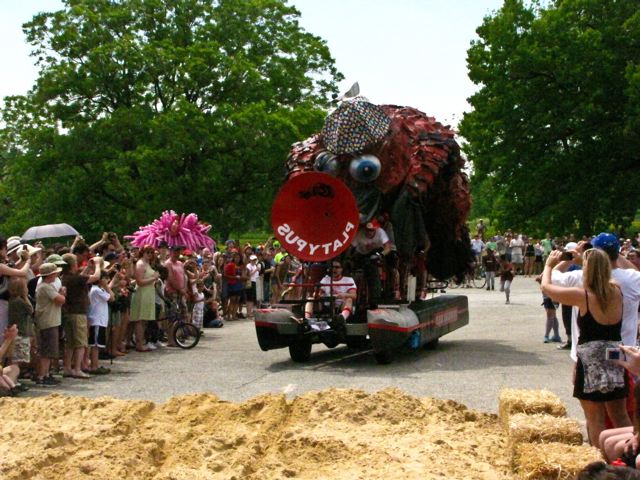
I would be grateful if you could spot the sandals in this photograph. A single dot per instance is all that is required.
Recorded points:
(143, 350)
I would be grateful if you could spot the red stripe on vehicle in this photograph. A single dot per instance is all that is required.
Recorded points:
(265, 324)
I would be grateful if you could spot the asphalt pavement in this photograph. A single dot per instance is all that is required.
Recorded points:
(502, 347)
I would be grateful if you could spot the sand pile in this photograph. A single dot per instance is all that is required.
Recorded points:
(333, 434)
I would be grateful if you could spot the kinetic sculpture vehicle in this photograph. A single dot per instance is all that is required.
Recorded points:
(370, 163)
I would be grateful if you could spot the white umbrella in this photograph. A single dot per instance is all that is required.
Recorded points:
(49, 231)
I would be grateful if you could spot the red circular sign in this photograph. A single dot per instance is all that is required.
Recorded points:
(315, 216)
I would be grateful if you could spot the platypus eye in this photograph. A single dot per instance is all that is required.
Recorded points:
(365, 168)
(327, 163)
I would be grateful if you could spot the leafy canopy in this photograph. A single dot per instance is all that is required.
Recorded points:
(146, 105)
(554, 135)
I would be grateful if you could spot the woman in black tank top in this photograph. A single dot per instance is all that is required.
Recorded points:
(600, 384)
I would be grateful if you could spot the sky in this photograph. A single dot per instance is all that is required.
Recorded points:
(403, 52)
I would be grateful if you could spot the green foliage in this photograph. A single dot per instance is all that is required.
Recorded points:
(147, 105)
(554, 136)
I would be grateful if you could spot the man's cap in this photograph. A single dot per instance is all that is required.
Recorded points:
(253, 257)
(606, 241)
(570, 247)
(372, 225)
(47, 269)
(187, 253)
(276, 243)
(57, 259)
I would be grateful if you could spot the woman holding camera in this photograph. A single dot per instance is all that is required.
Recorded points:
(599, 384)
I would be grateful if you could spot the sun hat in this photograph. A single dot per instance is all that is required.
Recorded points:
(13, 243)
(606, 241)
(47, 269)
(570, 247)
(56, 259)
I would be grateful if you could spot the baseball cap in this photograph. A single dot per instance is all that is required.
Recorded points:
(253, 257)
(570, 247)
(606, 241)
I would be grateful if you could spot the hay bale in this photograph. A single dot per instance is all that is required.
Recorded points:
(543, 428)
(529, 402)
(552, 461)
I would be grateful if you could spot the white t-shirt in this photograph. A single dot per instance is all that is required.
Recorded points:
(477, 246)
(364, 245)
(516, 246)
(345, 285)
(98, 307)
(629, 281)
(254, 272)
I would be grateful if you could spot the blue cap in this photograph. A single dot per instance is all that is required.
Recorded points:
(606, 241)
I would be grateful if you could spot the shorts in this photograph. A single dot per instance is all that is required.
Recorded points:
(115, 318)
(235, 290)
(48, 340)
(97, 336)
(516, 258)
(75, 330)
(548, 303)
(21, 350)
(251, 292)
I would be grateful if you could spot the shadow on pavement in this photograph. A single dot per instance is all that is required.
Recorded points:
(448, 356)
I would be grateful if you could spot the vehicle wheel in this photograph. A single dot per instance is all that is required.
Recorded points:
(300, 350)
(479, 282)
(383, 357)
(357, 343)
(432, 344)
(186, 336)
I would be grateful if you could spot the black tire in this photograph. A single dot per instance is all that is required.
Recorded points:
(432, 344)
(383, 357)
(357, 343)
(186, 336)
(300, 350)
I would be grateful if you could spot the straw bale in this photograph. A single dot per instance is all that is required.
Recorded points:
(543, 428)
(529, 402)
(557, 461)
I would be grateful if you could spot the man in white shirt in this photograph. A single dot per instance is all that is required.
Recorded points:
(477, 245)
(342, 288)
(623, 272)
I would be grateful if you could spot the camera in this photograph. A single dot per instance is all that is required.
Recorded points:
(566, 256)
(614, 354)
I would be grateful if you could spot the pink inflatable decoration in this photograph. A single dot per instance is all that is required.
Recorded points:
(174, 229)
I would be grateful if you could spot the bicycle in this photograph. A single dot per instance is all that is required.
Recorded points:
(185, 335)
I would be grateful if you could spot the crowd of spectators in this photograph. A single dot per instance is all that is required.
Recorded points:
(65, 308)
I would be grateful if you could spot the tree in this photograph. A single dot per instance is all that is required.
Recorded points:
(146, 105)
(554, 134)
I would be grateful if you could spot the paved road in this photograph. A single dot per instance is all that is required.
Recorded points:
(501, 347)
